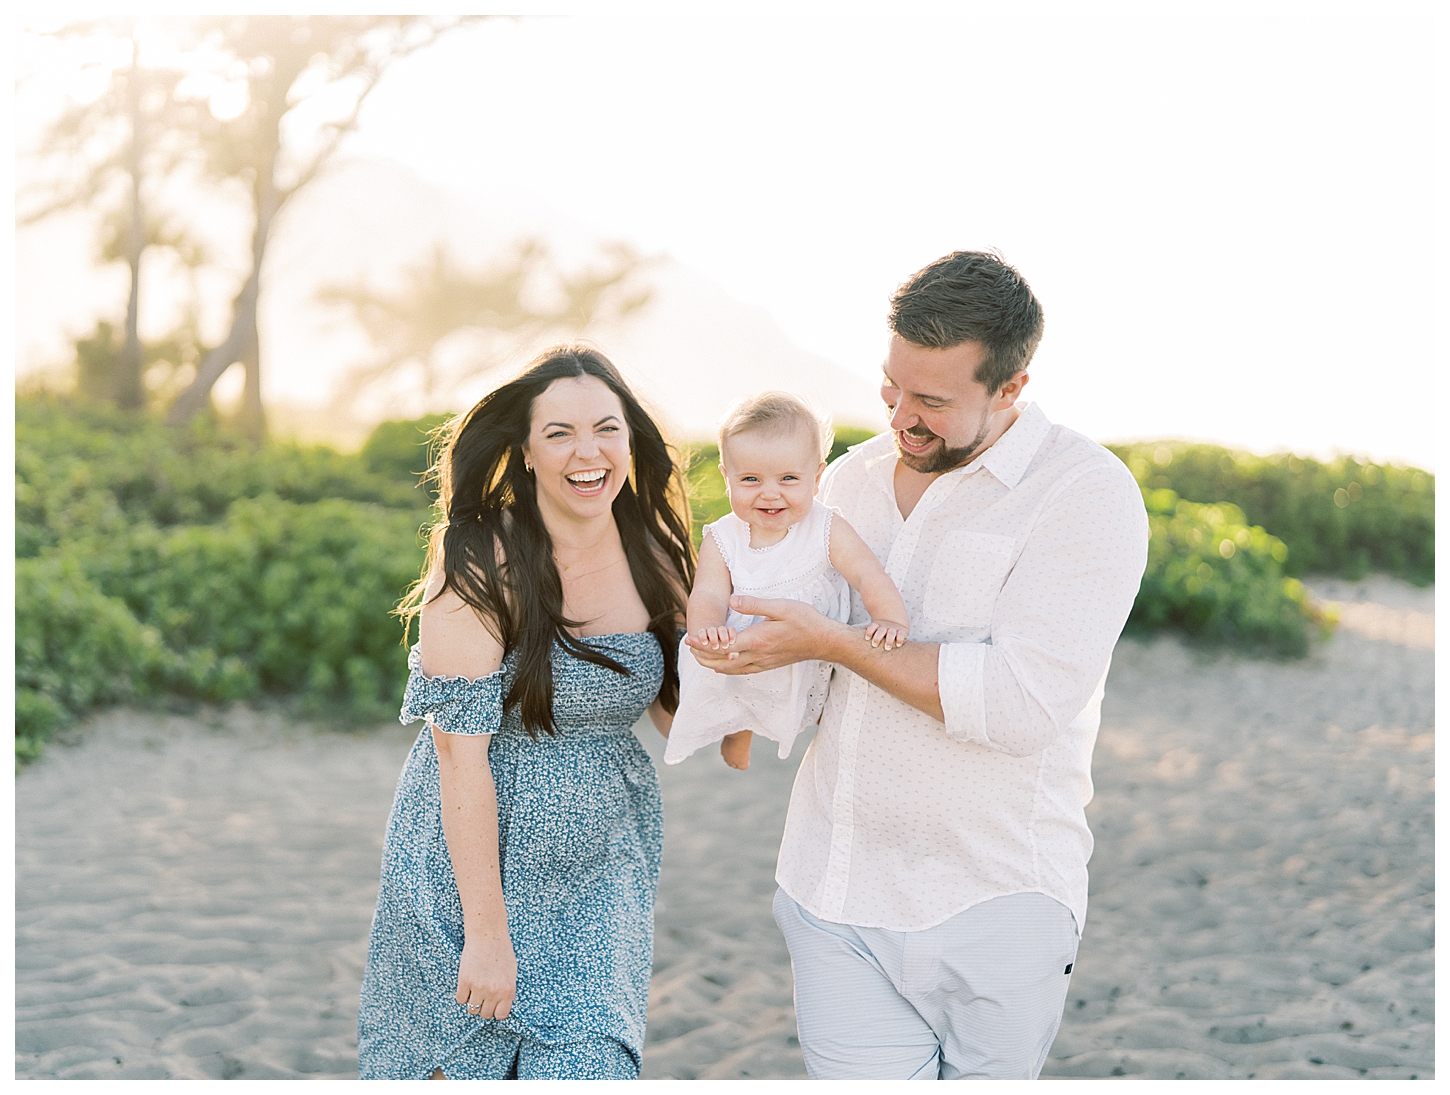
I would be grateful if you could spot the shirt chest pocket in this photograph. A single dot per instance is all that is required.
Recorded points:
(966, 576)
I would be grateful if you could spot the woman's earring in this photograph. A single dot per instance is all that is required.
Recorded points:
(528, 467)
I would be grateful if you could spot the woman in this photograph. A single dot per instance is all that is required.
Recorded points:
(514, 923)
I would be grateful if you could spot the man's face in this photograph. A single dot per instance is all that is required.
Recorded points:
(941, 415)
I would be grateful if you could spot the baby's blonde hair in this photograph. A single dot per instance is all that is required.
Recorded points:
(777, 413)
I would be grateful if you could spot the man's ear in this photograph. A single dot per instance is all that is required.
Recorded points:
(1010, 392)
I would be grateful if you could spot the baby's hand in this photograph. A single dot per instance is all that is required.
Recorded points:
(735, 748)
(714, 638)
(885, 634)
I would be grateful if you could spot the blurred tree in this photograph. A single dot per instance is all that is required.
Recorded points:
(163, 361)
(112, 155)
(284, 71)
(526, 294)
(96, 359)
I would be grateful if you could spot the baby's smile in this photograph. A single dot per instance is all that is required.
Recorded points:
(771, 479)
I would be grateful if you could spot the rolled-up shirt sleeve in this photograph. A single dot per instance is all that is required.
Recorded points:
(1055, 621)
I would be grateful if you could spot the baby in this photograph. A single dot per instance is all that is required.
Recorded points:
(776, 541)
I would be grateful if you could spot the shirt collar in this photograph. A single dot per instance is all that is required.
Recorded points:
(1011, 453)
(881, 457)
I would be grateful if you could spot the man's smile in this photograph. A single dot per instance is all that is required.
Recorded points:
(915, 443)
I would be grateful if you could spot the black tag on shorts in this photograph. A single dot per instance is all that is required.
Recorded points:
(1068, 970)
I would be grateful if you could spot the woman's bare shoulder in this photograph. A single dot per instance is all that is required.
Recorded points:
(453, 638)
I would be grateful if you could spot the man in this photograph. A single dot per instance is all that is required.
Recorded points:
(933, 870)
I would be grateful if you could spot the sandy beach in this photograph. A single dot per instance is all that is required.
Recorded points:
(193, 891)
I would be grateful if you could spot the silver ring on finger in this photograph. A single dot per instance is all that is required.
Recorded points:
(475, 1007)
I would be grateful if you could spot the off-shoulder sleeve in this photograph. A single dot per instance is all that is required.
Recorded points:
(455, 705)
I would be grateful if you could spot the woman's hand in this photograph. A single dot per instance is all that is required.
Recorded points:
(488, 976)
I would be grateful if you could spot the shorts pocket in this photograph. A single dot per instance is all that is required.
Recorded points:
(966, 576)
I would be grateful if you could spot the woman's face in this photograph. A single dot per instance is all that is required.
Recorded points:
(579, 448)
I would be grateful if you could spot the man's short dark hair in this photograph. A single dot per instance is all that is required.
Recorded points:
(971, 296)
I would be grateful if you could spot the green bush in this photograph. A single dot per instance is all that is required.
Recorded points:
(74, 647)
(278, 597)
(708, 501)
(156, 559)
(1342, 517)
(846, 437)
(84, 470)
(402, 450)
(1220, 580)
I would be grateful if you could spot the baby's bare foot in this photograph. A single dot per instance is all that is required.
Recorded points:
(735, 748)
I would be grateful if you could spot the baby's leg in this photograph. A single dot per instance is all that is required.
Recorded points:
(735, 748)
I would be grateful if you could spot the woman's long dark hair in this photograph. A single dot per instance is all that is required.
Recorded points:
(495, 553)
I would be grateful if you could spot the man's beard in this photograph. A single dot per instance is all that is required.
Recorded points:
(944, 458)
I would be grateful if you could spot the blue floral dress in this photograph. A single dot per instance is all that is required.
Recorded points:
(579, 828)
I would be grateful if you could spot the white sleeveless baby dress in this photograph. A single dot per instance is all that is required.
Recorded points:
(778, 703)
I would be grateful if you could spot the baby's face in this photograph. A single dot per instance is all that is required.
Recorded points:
(771, 477)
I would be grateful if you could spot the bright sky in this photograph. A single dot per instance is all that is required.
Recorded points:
(1226, 210)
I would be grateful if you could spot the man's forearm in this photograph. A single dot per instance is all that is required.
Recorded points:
(909, 672)
(796, 632)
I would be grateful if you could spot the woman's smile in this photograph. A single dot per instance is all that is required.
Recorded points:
(589, 482)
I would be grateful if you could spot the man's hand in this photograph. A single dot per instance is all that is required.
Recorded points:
(791, 632)
(794, 632)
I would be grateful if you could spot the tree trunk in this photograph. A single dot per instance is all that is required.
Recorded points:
(241, 342)
(197, 396)
(253, 417)
(127, 386)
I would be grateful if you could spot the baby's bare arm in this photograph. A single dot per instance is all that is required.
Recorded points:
(705, 618)
(709, 604)
(859, 566)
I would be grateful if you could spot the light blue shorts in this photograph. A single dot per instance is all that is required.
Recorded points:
(979, 996)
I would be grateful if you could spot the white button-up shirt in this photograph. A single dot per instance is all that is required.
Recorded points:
(1023, 565)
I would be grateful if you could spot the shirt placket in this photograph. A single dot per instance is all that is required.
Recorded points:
(843, 801)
